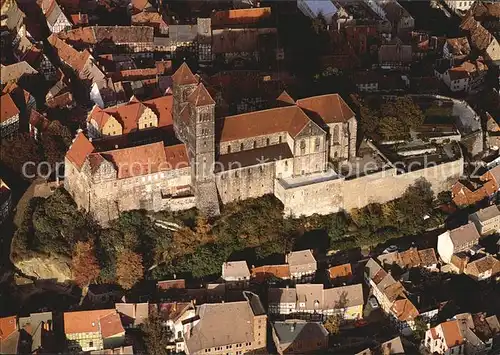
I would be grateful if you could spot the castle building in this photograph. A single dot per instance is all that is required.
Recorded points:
(283, 151)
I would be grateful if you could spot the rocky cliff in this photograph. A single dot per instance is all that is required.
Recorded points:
(45, 268)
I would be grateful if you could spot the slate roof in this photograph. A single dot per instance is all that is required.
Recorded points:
(221, 324)
(291, 331)
(463, 235)
(255, 156)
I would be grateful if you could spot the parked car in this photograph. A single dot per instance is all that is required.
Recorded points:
(360, 323)
(390, 249)
(372, 301)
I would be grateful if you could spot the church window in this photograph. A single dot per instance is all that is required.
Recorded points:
(267, 141)
(316, 144)
(336, 134)
(302, 146)
(280, 139)
(242, 146)
(254, 144)
(228, 149)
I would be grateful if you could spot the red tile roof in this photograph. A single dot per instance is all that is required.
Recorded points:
(200, 96)
(261, 273)
(289, 119)
(169, 284)
(147, 159)
(8, 108)
(451, 332)
(111, 325)
(128, 114)
(79, 150)
(240, 16)
(8, 325)
(331, 108)
(85, 321)
(404, 309)
(68, 54)
(184, 76)
(340, 271)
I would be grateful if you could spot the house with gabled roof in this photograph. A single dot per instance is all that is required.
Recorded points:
(346, 301)
(445, 338)
(391, 296)
(457, 240)
(9, 116)
(487, 220)
(56, 20)
(93, 330)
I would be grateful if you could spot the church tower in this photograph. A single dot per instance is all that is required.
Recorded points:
(194, 124)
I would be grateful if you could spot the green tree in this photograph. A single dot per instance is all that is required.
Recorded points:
(155, 335)
(55, 142)
(17, 151)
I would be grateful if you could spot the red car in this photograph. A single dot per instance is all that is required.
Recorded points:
(360, 323)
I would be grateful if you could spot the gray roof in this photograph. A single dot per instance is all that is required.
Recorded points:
(310, 294)
(345, 296)
(123, 34)
(395, 53)
(282, 295)
(15, 71)
(464, 235)
(394, 346)
(372, 268)
(487, 213)
(235, 269)
(299, 330)
(36, 321)
(221, 324)
(302, 260)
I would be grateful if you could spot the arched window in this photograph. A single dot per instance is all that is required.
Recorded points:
(336, 134)
(228, 149)
(242, 146)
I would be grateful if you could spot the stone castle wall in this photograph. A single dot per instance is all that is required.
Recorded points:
(335, 195)
(248, 182)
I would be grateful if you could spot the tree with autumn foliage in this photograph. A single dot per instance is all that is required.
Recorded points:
(84, 266)
(129, 268)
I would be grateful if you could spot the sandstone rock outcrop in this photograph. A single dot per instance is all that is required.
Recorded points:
(46, 268)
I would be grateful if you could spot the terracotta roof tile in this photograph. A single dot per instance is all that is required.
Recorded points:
(200, 96)
(176, 156)
(8, 108)
(285, 98)
(128, 115)
(184, 76)
(261, 273)
(173, 310)
(169, 284)
(330, 108)
(79, 150)
(111, 325)
(289, 119)
(240, 16)
(340, 271)
(68, 54)
(147, 159)
(38, 121)
(162, 107)
(85, 321)
(404, 309)
(451, 333)
(8, 325)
